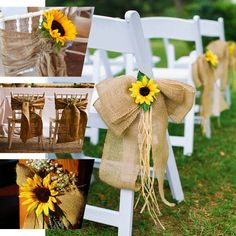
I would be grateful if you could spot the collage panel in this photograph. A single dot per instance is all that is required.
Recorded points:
(44, 193)
(44, 117)
(55, 40)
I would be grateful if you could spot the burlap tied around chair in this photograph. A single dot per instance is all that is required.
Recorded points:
(71, 202)
(120, 166)
(22, 51)
(31, 122)
(73, 121)
(212, 100)
(220, 49)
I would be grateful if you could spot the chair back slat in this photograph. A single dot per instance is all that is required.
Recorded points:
(173, 28)
(211, 28)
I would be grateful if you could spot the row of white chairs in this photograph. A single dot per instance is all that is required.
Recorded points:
(130, 37)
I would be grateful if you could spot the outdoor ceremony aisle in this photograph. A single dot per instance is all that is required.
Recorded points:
(209, 184)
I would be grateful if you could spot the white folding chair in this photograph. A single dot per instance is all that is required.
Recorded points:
(208, 28)
(184, 30)
(131, 42)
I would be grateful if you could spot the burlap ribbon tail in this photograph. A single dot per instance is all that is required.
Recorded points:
(73, 121)
(132, 134)
(70, 202)
(31, 122)
(212, 100)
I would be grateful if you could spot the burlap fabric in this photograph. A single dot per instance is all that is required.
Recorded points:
(220, 49)
(22, 50)
(212, 100)
(31, 122)
(73, 121)
(70, 202)
(120, 166)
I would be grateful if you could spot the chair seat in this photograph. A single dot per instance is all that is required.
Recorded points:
(174, 74)
(10, 118)
(52, 119)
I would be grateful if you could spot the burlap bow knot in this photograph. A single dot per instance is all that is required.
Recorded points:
(31, 122)
(70, 202)
(212, 101)
(73, 120)
(120, 166)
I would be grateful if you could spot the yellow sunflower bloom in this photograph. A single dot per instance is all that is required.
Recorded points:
(211, 58)
(39, 194)
(59, 26)
(231, 48)
(144, 91)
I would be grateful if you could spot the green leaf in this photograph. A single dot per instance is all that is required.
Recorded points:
(140, 75)
(145, 106)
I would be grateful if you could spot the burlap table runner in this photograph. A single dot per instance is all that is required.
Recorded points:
(31, 122)
(22, 50)
(120, 165)
(73, 121)
(220, 49)
(70, 202)
(212, 100)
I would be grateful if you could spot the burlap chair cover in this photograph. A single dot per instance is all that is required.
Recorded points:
(70, 202)
(73, 121)
(120, 166)
(31, 122)
(212, 100)
(220, 49)
(22, 51)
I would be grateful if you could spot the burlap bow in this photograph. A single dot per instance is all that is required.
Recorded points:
(31, 122)
(120, 166)
(73, 120)
(212, 101)
(22, 51)
(70, 202)
(220, 49)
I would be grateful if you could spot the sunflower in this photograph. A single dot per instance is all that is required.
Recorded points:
(59, 26)
(231, 47)
(39, 194)
(211, 58)
(144, 91)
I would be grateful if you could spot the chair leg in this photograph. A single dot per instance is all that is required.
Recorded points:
(173, 175)
(10, 137)
(126, 212)
(208, 128)
(189, 133)
(50, 132)
(55, 134)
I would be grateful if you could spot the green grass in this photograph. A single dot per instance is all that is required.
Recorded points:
(208, 178)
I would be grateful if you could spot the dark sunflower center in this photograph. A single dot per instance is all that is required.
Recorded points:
(144, 91)
(42, 194)
(57, 25)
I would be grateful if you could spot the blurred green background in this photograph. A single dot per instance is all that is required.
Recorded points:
(208, 9)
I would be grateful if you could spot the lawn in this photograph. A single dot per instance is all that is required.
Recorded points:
(208, 178)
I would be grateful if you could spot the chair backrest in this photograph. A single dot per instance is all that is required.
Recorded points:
(211, 28)
(67, 98)
(17, 109)
(123, 36)
(173, 28)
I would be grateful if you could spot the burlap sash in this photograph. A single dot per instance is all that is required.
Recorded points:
(212, 101)
(22, 51)
(70, 202)
(220, 49)
(31, 122)
(73, 120)
(120, 160)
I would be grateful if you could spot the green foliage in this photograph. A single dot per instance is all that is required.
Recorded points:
(213, 9)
